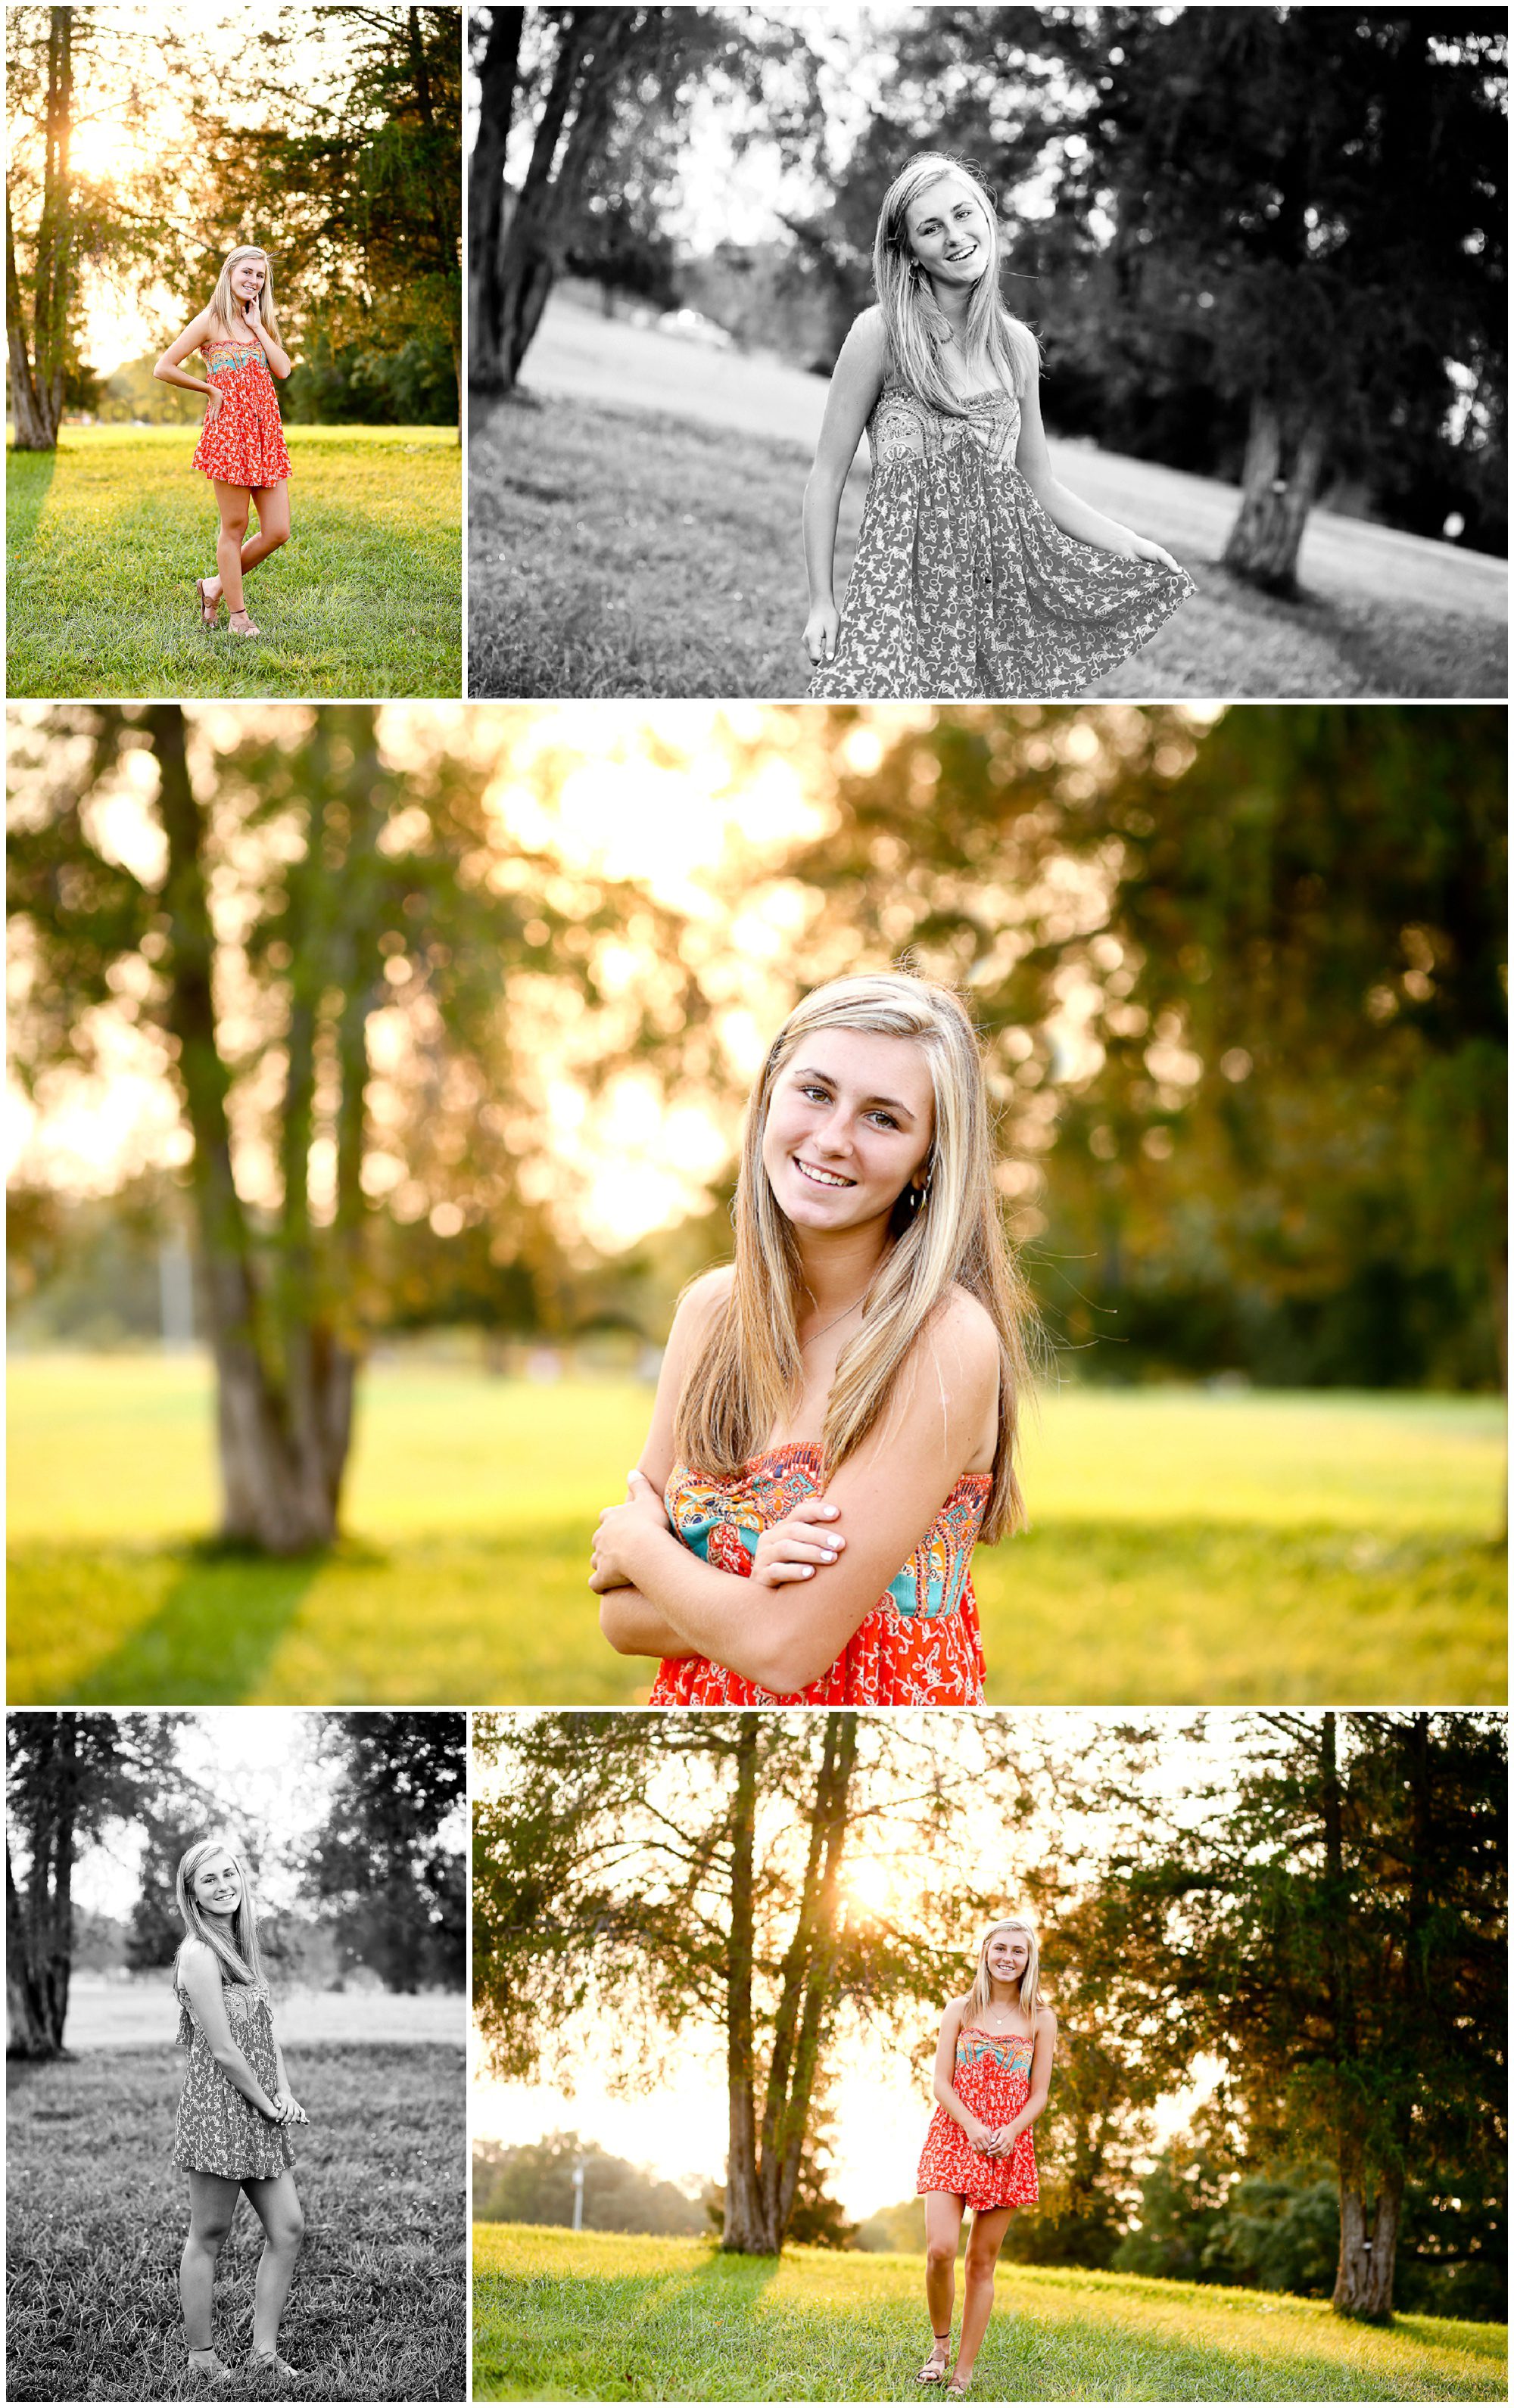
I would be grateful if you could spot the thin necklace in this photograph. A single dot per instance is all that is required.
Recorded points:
(840, 1317)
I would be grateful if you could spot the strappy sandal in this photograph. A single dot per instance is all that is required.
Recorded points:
(931, 2372)
(210, 2370)
(210, 611)
(232, 628)
(270, 2362)
(957, 2388)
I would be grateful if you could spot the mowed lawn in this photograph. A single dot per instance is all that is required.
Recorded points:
(591, 2315)
(96, 2215)
(634, 529)
(105, 539)
(1186, 1545)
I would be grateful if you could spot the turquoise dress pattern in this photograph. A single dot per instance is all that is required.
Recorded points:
(963, 588)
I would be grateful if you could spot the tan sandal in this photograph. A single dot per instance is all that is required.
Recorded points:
(232, 628)
(210, 611)
(932, 2372)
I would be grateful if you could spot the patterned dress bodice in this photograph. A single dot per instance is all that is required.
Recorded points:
(903, 427)
(225, 361)
(722, 1520)
(248, 2012)
(218, 2131)
(988, 2054)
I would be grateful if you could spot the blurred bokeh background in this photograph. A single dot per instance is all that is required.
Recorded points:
(377, 1080)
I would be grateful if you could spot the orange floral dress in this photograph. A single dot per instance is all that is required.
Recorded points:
(992, 2079)
(243, 444)
(919, 1646)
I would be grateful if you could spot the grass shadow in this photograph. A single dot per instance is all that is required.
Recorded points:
(214, 1636)
(28, 482)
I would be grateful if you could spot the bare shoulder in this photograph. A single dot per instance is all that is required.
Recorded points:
(1045, 2024)
(705, 1297)
(955, 2009)
(195, 1957)
(963, 1343)
(867, 339)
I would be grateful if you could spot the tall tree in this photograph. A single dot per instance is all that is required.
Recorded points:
(69, 1777)
(299, 887)
(381, 1865)
(1313, 194)
(40, 334)
(687, 1875)
(1336, 1933)
(609, 88)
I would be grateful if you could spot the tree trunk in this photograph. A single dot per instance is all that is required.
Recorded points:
(1285, 452)
(38, 380)
(39, 1926)
(1368, 2243)
(596, 46)
(744, 2231)
(497, 79)
(282, 1429)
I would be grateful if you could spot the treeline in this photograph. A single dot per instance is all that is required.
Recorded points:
(349, 174)
(379, 1888)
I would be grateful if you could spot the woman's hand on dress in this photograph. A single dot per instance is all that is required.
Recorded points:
(1142, 548)
(619, 1525)
(821, 629)
(212, 407)
(291, 2110)
(792, 1548)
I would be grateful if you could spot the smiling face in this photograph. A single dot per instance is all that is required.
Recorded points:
(947, 230)
(849, 1128)
(217, 1885)
(1008, 1955)
(249, 277)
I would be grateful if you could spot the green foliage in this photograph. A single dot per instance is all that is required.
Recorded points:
(533, 2184)
(592, 2316)
(96, 2215)
(108, 535)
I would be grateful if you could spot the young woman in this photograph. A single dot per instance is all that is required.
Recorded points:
(993, 2071)
(241, 447)
(976, 573)
(235, 2107)
(836, 1419)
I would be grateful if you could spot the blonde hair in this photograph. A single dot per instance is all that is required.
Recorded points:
(749, 1370)
(225, 310)
(240, 1955)
(981, 1993)
(915, 327)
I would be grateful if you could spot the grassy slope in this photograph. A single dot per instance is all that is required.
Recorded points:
(1315, 1548)
(630, 552)
(96, 2215)
(105, 542)
(611, 2316)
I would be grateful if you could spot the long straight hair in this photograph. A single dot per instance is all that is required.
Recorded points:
(240, 1955)
(980, 1995)
(750, 1370)
(225, 310)
(915, 327)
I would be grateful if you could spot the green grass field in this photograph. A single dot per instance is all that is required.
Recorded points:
(1186, 1546)
(593, 2315)
(636, 552)
(96, 2215)
(105, 539)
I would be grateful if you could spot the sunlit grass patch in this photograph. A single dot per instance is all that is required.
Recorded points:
(611, 2317)
(1185, 1547)
(106, 537)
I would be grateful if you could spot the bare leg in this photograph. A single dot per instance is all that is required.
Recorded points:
(943, 2231)
(983, 2245)
(232, 502)
(213, 2204)
(271, 503)
(282, 2219)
